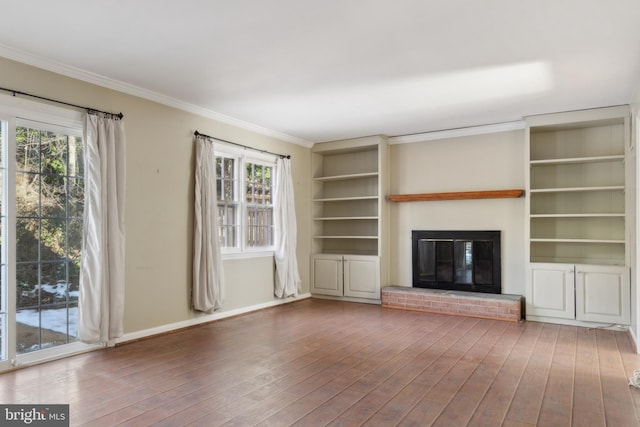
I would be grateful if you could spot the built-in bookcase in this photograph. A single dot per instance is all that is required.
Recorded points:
(346, 197)
(578, 209)
(577, 192)
(349, 206)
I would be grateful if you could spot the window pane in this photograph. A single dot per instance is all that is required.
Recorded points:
(267, 185)
(225, 179)
(227, 225)
(74, 285)
(258, 181)
(259, 221)
(27, 150)
(53, 196)
(255, 187)
(229, 172)
(27, 194)
(259, 226)
(53, 286)
(74, 240)
(75, 197)
(53, 153)
(53, 239)
(76, 157)
(27, 237)
(27, 295)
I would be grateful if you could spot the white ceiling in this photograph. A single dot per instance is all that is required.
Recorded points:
(333, 69)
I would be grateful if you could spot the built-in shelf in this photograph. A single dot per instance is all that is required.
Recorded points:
(577, 241)
(458, 195)
(346, 176)
(585, 215)
(346, 218)
(575, 160)
(346, 237)
(577, 189)
(345, 199)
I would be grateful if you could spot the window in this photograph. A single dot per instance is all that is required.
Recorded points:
(245, 200)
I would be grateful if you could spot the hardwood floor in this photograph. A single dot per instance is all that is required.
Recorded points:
(318, 362)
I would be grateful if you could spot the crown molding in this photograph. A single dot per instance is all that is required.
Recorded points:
(106, 82)
(459, 132)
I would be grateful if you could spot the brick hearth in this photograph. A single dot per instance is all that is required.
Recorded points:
(492, 306)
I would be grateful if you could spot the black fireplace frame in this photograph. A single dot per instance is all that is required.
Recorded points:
(461, 235)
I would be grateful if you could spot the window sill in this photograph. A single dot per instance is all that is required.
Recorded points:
(247, 255)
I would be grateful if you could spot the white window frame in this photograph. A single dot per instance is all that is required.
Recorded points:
(17, 112)
(242, 157)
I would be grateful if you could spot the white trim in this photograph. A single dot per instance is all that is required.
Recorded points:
(247, 254)
(103, 81)
(132, 336)
(456, 133)
(69, 119)
(53, 353)
(634, 338)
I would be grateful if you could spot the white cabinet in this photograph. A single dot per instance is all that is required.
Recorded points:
(327, 275)
(551, 291)
(350, 218)
(588, 293)
(355, 276)
(577, 215)
(603, 294)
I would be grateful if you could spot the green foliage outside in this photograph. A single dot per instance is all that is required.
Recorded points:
(49, 205)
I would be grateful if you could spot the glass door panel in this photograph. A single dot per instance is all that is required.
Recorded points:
(49, 194)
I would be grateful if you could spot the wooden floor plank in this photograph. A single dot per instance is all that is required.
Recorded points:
(321, 362)
(588, 408)
(558, 395)
(630, 363)
(527, 400)
(494, 405)
(616, 393)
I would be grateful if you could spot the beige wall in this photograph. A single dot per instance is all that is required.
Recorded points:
(159, 199)
(482, 162)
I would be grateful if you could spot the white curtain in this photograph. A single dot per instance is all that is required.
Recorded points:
(208, 288)
(101, 311)
(287, 275)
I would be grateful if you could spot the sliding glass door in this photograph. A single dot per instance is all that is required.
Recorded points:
(42, 173)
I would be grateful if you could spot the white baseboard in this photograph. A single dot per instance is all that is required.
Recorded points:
(634, 338)
(205, 318)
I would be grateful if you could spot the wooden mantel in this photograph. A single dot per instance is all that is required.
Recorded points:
(458, 195)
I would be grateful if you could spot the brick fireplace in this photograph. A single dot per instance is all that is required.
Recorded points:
(458, 273)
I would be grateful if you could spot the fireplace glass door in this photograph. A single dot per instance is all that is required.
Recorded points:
(457, 263)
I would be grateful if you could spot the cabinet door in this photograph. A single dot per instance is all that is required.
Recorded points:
(550, 291)
(361, 277)
(326, 273)
(603, 294)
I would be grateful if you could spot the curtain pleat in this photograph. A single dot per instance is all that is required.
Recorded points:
(208, 275)
(101, 310)
(287, 281)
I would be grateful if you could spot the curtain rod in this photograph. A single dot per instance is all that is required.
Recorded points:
(88, 109)
(284, 156)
